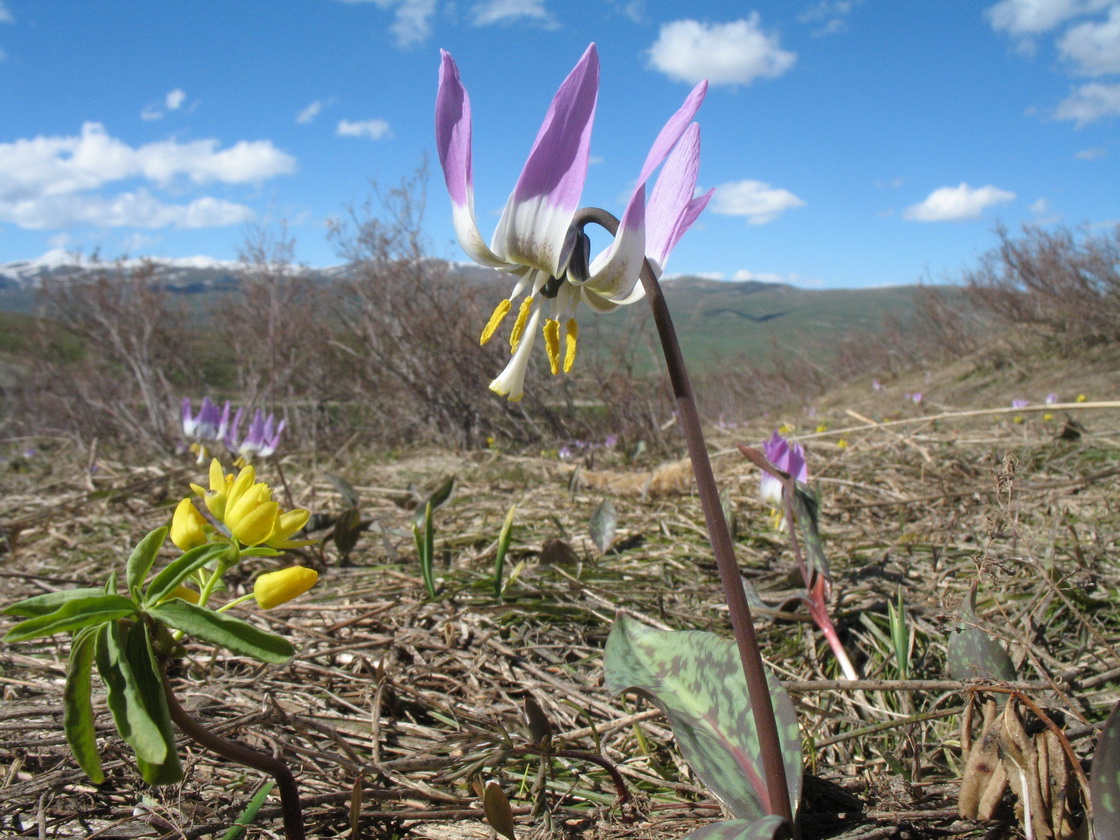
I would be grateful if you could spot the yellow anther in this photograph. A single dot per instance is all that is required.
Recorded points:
(519, 324)
(552, 344)
(571, 334)
(500, 312)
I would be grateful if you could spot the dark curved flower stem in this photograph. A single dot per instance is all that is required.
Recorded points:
(246, 756)
(741, 622)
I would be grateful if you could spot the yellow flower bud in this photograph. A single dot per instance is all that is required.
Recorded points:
(184, 592)
(275, 588)
(188, 527)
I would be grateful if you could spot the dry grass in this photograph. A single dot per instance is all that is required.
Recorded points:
(407, 699)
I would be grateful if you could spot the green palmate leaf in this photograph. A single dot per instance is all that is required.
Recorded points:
(152, 693)
(1104, 785)
(141, 560)
(48, 602)
(604, 525)
(125, 700)
(77, 708)
(768, 828)
(223, 630)
(973, 654)
(177, 571)
(697, 680)
(73, 614)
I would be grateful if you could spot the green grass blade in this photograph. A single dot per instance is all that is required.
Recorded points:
(246, 817)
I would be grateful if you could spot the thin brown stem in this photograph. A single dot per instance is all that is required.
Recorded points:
(742, 624)
(246, 756)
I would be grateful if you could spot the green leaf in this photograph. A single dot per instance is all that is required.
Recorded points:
(697, 680)
(604, 525)
(806, 508)
(153, 694)
(141, 560)
(74, 614)
(250, 813)
(973, 654)
(768, 828)
(498, 811)
(123, 693)
(502, 550)
(177, 571)
(48, 602)
(77, 707)
(223, 630)
(1104, 784)
(347, 529)
(438, 498)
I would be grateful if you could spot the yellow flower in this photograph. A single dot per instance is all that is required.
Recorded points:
(1047, 417)
(188, 527)
(1081, 398)
(184, 592)
(785, 429)
(842, 444)
(822, 428)
(245, 506)
(275, 588)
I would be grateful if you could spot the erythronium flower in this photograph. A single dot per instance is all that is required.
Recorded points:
(1019, 403)
(208, 425)
(786, 456)
(260, 440)
(539, 237)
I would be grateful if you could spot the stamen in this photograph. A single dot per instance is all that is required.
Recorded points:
(519, 324)
(552, 344)
(571, 334)
(500, 312)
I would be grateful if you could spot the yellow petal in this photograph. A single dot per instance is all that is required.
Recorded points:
(496, 318)
(275, 588)
(289, 523)
(255, 526)
(187, 526)
(571, 334)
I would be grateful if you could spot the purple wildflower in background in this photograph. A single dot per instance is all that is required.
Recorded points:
(915, 397)
(261, 439)
(786, 456)
(206, 426)
(1051, 398)
(876, 385)
(1019, 403)
(537, 234)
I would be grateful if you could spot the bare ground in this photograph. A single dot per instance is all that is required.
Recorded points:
(396, 703)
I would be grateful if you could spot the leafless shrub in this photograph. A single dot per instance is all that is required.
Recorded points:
(1064, 288)
(135, 346)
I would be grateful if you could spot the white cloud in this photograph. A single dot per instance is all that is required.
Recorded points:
(1096, 153)
(310, 112)
(373, 129)
(507, 11)
(150, 112)
(951, 204)
(829, 16)
(50, 182)
(744, 275)
(1094, 46)
(1040, 206)
(1090, 103)
(1033, 17)
(175, 99)
(733, 53)
(758, 201)
(411, 24)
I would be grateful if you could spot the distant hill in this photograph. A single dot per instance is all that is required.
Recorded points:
(716, 320)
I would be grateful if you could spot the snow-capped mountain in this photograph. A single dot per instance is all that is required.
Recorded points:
(63, 265)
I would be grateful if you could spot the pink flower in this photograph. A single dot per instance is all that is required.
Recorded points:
(786, 456)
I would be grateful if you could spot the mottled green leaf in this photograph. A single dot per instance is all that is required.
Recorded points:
(604, 525)
(973, 654)
(73, 614)
(141, 560)
(438, 498)
(77, 708)
(347, 530)
(175, 572)
(1104, 784)
(498, 812)
(806, 509)
(149, 682)
(223, 630)
(48, 602)
(697, 680)
(768, 828)
(123, 693)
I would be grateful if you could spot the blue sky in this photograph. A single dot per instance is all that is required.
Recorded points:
(851, 142)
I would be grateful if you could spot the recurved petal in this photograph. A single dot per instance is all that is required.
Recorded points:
(616, 271)
(672, 207)
(453, 142)
(672, 130)
(537, 216)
